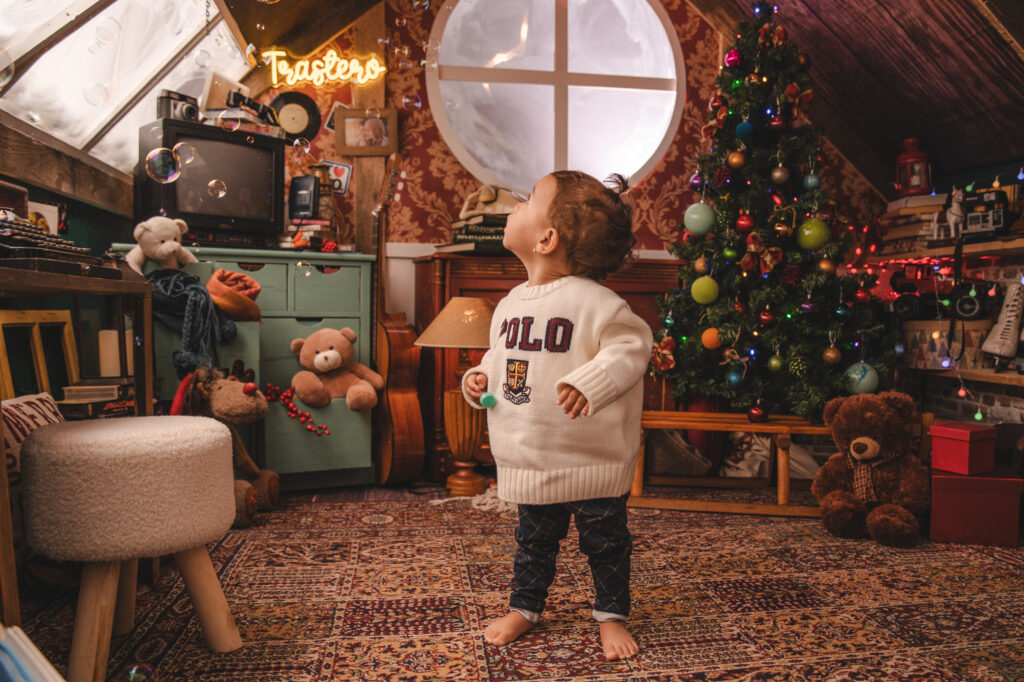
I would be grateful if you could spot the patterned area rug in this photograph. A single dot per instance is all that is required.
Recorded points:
(330, 589)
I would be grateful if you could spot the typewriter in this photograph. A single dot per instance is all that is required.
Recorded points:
(23, 244)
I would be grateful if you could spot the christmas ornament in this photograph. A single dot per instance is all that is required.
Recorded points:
(663, 355)
(716, 102)
(700, 266)
(744, 223)
(797, 367)
(744, 130)
(812, 234)
(729, 253)
(783, 229)
(776, 122)
(718, 122)
(807, 306)
(842, 312)
(826, 266)
(739, 306)
(734, 377)
(862, 295)
(696, 181)
(811, 181)
(780, 175)
(860, 377)
(710, 338)
(756, 413)
(704, 290)
(699, 218)
(669, 320)
(732, 58)
(758, 254)
(832, 355)
(776, 363)
(736, 160)
(766, 318)
(721, 177)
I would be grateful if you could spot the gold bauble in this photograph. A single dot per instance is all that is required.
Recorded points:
(826, 266)
(736, 160)
(832, 355)
(700, 266)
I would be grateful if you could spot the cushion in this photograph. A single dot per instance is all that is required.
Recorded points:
(22, 416)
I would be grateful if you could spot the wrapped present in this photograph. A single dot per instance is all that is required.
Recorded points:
(963, 448)
(929, 346)
(976, 510)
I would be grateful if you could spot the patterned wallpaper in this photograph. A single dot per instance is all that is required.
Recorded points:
(435, 183)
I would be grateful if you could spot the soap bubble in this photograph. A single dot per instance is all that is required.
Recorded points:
(185, 152)
(162, 165)
(267, 58)
(405, 64)
(96, 94)
(372, 112)
(6, 68)
(250, 139)
(260, 27)
(305, 267)
(301, 143)
(217, 188)
(107, 30)
(429, 62)
(140, 673)
(33, 118)
(401, 51)
(400, 21)
(202, 58)
(383, 42)
(268, 2)
(411, 102)
(250, 53)
(429, 45)
(422, 5)
(451, 105)
(228, 121)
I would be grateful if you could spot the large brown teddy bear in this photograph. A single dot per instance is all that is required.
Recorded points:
(330, 373)
(875, 485)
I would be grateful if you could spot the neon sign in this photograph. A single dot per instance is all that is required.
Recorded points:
(330, 67)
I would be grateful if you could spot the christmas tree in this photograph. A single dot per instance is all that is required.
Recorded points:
(763, 320)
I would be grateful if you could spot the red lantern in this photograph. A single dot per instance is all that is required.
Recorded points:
(913, 172)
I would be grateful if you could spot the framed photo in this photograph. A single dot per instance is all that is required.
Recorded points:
(356, 134)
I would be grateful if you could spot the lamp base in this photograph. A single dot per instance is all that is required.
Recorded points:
(465, 482)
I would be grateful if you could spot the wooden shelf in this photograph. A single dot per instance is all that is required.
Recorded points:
(988, 376)
(1007, 247)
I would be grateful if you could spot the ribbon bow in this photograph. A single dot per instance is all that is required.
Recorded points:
(663, 355)
(799, 99)
(717, 123)
(758, 254)
(776, 35)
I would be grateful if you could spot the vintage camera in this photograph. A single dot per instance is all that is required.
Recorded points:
(175, 105)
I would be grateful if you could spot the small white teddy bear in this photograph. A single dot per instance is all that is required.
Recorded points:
(159, 239)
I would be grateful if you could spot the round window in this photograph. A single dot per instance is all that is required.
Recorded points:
(520, 88)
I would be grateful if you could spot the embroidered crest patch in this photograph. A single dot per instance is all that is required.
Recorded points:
(515, 388)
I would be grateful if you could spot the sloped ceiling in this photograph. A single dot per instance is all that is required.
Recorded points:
(948, 71)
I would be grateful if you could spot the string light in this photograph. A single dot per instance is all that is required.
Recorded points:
(1020, 173)
(996, 184)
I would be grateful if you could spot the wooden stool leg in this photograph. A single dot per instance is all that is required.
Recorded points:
(208, 599)
(94, 619)
(124, 613)
(783, 442)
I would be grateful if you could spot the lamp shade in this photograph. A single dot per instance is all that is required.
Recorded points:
(464, 322)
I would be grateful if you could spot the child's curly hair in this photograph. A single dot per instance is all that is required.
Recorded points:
(594, 221)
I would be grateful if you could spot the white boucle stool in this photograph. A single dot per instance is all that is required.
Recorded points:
(110, 491)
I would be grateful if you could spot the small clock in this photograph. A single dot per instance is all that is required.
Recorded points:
(298, 114)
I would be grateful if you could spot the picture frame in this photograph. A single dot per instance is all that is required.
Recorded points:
(356, 134)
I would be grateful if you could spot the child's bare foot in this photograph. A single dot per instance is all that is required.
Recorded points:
(617, 641)
(507, 628)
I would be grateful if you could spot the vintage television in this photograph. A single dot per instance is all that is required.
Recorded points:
(245, 208)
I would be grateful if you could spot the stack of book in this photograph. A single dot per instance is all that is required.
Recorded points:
(907, 223)
(103, 397)
(477, 234)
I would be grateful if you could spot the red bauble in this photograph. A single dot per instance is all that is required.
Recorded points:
(862, 295)
(739, 306)
(756, 414)
(716, 102)
(776, 123)
(744, 223)
(766, 318)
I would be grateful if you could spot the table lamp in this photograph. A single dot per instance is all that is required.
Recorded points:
(463, 323)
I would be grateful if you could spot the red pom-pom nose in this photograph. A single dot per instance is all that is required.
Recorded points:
(249, 388)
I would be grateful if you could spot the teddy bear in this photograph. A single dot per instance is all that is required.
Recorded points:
(234, 400)
(330, 372)
(159, 239)
(875, 485)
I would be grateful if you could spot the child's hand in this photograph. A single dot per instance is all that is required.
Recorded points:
(573, 402)
(476, 384)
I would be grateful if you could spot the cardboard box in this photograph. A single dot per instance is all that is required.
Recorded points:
(976, 510)
(928, 344)
(963, 448)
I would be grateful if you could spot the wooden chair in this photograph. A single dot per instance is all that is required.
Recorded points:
(34, 321)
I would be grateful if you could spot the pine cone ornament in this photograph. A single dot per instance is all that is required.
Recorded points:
(797, 367)
(720, 177)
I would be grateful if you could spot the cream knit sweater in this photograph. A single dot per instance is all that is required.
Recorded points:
(576, 332)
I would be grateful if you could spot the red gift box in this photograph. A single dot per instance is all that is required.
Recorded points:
(976, 510)
(963, 448)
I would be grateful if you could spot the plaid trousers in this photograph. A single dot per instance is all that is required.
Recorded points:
(604, 538)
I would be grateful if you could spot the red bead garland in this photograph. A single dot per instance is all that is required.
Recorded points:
(273, 392)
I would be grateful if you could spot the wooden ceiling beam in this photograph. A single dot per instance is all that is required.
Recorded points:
(1007, 18)
(725, 17)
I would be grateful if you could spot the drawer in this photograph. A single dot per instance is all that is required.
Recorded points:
(336, 289)
(246, 345)
(290, 448)
(277, 362)
(273, 278)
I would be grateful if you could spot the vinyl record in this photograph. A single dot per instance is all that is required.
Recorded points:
(298, 114)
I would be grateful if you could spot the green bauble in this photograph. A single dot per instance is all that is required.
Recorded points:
(812, 234)
(704, 290)
(776, 363)
(699, 218)
(797, 367)
(860, 377)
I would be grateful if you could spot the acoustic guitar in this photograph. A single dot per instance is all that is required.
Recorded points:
(399, 421)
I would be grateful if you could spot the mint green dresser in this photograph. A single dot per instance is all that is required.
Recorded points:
(301, 292)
